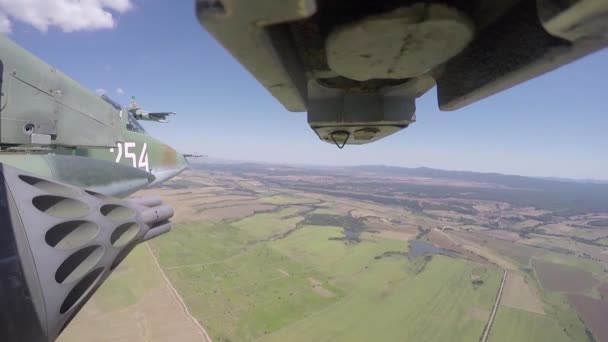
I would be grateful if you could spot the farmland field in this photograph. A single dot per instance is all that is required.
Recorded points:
(599, 223)
(245, 290)
(517, 325)
(604, 291)
(594, 312)
(422, 308)
(277, 253)
(129, 283)
(520, 293)
(134, 304)
(564, 278)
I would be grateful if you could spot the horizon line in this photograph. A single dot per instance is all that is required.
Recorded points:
(243, 161)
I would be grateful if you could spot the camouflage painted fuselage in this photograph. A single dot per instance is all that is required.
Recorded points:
(137, 162)
(52, 126)
(140, 151)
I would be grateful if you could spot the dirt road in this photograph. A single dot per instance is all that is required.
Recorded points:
(488, 327)
(204, 335)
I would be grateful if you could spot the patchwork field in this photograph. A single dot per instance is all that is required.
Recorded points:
(520, 293)
(563, 278)
(134, 304)
(306, 286)
(517, 325)
(594, 312)
(604, 291)
(278, 253)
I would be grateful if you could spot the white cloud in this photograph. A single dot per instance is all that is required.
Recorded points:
(101, 91)
(5, 23)
(119, 91)
(68, 15)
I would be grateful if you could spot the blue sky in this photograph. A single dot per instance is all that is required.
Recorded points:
(555, 125)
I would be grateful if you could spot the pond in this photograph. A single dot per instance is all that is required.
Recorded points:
(418, 247)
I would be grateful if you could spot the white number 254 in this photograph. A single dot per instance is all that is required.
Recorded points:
(131, 153)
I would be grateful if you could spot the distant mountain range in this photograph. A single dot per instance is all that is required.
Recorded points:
(571, 197)
(584, 180)
(465, 175)
(415, 172)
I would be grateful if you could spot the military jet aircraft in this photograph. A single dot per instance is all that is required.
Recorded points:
(67, 156)
(356, 67)
(54, 127)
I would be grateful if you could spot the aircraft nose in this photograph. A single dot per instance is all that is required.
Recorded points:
(175, 160)
(181, 160)
(173, 163)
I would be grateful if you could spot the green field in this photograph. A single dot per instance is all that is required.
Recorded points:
(585, 264)
(517, 325)
(387, 302)
(305, 287)
(324, 211)
(560, 322)
(265, 225)
(239, 290)
(284, 199)
(136, 274)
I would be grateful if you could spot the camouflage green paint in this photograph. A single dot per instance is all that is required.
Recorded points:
(142, 151)
(88, 173)
(139, 161)
(54, 127)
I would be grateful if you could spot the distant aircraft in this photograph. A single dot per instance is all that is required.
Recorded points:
(66, 157)
(139, 150)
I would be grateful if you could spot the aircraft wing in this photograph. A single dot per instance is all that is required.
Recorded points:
(358, 66)
(162, 117)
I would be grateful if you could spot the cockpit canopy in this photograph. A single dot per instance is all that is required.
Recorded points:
(132, 124)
